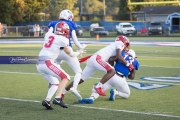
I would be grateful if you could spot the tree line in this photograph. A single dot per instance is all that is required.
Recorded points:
(16, 11)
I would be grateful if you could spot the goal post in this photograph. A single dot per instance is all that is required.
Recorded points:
(153, 3)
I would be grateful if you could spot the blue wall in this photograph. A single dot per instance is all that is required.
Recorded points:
(110, 26)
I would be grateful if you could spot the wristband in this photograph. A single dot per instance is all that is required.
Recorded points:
(127, 64)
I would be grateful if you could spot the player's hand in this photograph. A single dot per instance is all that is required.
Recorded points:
(81, 51)
(111, 63)
(131, 67)
(83, 46)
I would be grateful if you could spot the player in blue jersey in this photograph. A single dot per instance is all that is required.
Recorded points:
(118, 80)
(67, 16)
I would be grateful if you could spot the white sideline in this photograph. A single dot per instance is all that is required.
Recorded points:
(98, 108)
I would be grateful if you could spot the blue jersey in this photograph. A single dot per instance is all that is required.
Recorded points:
(72, 26)
(120, 67)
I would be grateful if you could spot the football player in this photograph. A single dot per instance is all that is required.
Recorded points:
(53, 44)
(99, 61)
(67, 16)
(118, 80)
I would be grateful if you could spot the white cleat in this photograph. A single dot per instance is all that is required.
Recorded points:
(75, 92)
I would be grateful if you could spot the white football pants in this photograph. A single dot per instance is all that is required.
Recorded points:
(51, 71)
(119, 83)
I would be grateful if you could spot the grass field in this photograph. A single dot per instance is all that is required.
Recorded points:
(23, 89)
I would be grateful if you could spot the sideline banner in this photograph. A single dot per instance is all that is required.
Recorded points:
(18, 59)
(30, 59)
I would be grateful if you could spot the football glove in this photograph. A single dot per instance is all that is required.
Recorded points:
(130, 66)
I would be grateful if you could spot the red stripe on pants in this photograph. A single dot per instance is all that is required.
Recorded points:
(55, 69)
(103, 63)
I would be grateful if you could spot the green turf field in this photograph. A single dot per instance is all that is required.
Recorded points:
(22, 89)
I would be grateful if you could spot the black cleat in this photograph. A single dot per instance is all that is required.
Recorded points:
(47, 104)
(58, 101)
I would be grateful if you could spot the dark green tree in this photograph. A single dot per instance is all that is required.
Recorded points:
(34, 8)
(56, 6)
(123, 10)
(5, 11)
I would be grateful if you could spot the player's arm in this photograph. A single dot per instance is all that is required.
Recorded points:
(50, 30)
(132, 74)
(111, 62)
(50, 24)
(76, 42)
(117, 57)
(68, 50)
(121, 59)
(136, 67)
(114, 58)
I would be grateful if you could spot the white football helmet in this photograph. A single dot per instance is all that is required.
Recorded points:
(132, 53)
(66, 14)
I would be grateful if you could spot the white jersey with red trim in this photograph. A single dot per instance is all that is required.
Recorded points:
(110, 50)
(52, 45)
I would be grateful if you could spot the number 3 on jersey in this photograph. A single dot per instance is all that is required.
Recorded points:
(50, 41)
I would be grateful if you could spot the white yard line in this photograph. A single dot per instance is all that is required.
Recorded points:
(98, 108)
(7, 72)
(159, 66)
(20, 51)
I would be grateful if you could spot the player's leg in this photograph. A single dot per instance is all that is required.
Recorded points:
(51, 91)
(75, 66)
(54, 85)
(57, 100)
(102, 65)
(122, 88)
(43, 70)
(94, 94)
(56, 71)
(87, 72)
(113, 81)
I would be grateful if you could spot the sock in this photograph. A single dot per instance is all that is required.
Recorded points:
(64, 91)
(51, 91)
(94, 96)
(116, 92)
(58, 97)
(99, 85)
(77, 78)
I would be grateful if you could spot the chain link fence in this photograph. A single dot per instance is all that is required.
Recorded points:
(28, 31)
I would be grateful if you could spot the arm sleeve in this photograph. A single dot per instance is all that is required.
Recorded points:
(50, 30)
(49, 25)
(74, 54)
(74, 37)
(120, 46)
(137, 65)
